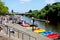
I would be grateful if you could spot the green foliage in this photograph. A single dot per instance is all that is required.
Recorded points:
(53, 12)
(3, 8)
(30, 11)
(12, 11)
(50, 11)
(35, 13)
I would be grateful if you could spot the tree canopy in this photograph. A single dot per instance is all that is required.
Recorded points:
(50, 11)
(3, 8)
(30, 11)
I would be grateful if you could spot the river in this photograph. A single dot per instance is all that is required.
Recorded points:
(42, 25)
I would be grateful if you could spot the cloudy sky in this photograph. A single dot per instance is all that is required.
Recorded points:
(25, 5)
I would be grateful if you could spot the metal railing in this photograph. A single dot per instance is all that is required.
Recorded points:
(7, 30)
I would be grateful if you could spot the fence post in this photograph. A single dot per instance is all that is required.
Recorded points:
(18, 33)
(29, 37)
(9, 33)
(22, 36)
(35, 39)
(7, 29)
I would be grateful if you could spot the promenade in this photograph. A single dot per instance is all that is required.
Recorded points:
(24, 34)
(20, 32)
(3, 36)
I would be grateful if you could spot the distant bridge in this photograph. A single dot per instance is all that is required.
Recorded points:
(23, 13)
(20, 13)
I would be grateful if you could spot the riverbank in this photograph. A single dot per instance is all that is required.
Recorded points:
(49, 27)
(9, 24)
(27, 32)
(20, 29)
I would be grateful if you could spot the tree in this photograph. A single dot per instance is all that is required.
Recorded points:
(35, 13)
(50, 11)
(12, 11)
(3, 8)
(30, 11)
(54, 13)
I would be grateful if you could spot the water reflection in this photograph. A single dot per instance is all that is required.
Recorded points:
(54, 28)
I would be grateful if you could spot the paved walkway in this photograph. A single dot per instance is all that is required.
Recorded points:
(37, 36)
(24, 30)
(3, 36)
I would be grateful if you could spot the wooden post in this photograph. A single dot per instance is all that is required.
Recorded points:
(46, 23)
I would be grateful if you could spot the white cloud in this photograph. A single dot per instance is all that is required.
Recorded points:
(49, 1)
(24, 1)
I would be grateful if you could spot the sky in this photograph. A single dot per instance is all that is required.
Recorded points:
(26, 5)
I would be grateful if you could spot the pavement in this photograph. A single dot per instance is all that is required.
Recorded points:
(28, 32)
(3, 36)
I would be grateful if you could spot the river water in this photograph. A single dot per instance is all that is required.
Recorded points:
(42, 25)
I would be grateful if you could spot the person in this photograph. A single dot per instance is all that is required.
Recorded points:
(1, 32)
(7, 19)
(1, 29)
(13, 20)
(20, 21)
(11, 30)
(33, 20)
(0, 20)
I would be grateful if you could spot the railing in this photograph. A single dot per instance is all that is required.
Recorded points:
(24, 35)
